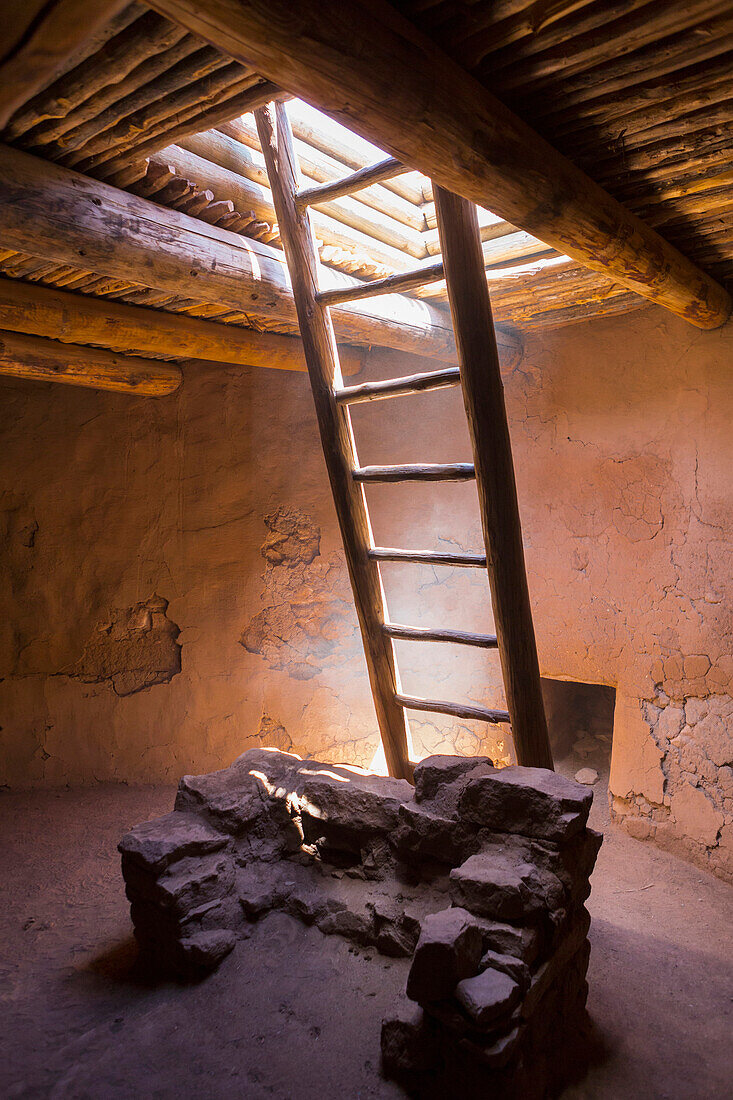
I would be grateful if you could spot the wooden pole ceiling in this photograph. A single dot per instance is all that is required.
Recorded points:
(366, 66)
(36, 51)
(77, 221)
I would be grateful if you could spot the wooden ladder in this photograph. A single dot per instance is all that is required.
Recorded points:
(463, 269)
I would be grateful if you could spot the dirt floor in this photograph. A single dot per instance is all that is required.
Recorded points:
(294, 1014)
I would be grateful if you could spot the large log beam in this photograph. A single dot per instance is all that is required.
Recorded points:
(365, 65)
(49, 361)
(74, 220)
(79, 319)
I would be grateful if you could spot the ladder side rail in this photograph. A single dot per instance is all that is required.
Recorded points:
(273, 128)
(483, 395)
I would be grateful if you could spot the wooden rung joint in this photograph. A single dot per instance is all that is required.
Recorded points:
(393, 284)
(373, 173)
(426, 471)
(428, 557)
(457, 710)
(425, 634)
(399, 387)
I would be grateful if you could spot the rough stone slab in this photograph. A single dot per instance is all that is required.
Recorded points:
(533, 802)
(509, 964)
(395, 941)
(497, 1053)
(205, 950)
(406, 1046)
(435, 772)
(257, 794)
(396, 931)
(188, 884)
(586, 776)
(234, 799)
(449, 949)
(350, 808)
(310, 904)
(259, 887)
(425, 834)
(521, 941)
(156, 844)
(573, 864)
(352, 926)
(488, 997)
(500, 883)
(553, 968)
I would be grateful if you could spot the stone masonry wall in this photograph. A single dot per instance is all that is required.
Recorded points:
(173, 590)
(478, 875)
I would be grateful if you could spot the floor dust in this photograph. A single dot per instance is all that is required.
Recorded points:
(294, 1014)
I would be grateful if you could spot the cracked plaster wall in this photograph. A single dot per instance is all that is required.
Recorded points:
(208, 515)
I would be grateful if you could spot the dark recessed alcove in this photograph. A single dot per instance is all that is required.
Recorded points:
(580, 720)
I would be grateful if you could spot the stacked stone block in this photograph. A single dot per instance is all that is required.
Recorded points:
(179, 879)
(494, 975)
(478, 874)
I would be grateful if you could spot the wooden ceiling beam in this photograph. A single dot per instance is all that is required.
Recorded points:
(76, 318)
(84, 223)
(44, 360)
(370, 69)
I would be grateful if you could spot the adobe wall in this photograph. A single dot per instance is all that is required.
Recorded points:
(174, 590)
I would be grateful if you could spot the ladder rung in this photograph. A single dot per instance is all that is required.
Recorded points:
(393, 284)
(397, 387)
(427, 471)
(458, 710)
(423, 634)
(373, 173)
(428, 557)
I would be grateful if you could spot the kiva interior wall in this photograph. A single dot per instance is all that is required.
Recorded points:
(173, 589)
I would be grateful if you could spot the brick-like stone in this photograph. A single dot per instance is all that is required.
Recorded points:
(186, 885)
(509, 964)
(449, 949)
(521, 941)
(157, 844)
(533, 802)
(406, 1047)
(356, 927)
(205, 950)
(488, 997)
(425, 834)
(502, 884)
(349, 809)
(435, 772)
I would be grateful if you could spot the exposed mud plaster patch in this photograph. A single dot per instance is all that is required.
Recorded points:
(308, 624)
(694, 814)
(694, 740)
(293, 540)
(273, 735)
(133, 650)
